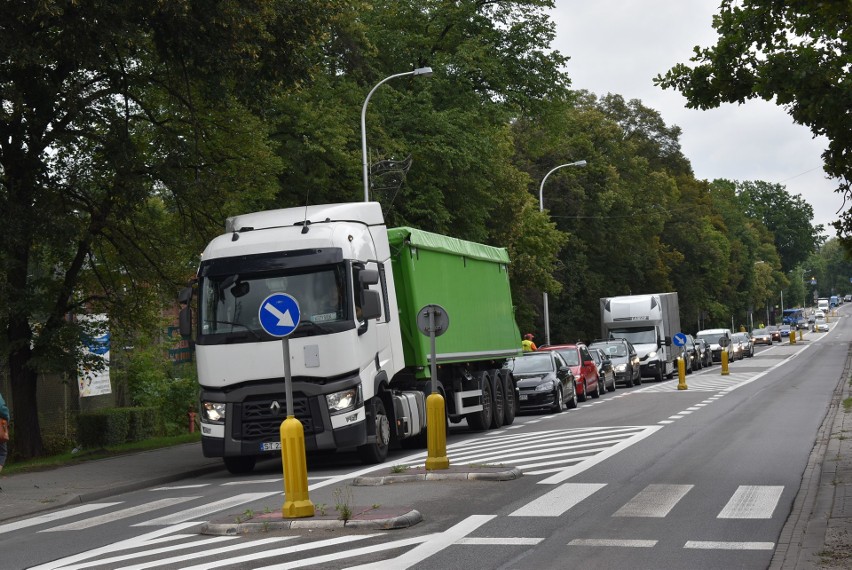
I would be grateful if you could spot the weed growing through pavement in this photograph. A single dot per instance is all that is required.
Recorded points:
(343, 503)
(400, 468)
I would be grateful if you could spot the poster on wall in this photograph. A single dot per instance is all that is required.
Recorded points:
(91, 381)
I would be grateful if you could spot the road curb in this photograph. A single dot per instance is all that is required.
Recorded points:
(365, 518)
(462, 473)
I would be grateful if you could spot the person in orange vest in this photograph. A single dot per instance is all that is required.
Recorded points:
(527, 344)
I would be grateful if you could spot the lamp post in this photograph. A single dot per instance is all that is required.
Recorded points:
(805, 294)
(425, 72)
(545, 308)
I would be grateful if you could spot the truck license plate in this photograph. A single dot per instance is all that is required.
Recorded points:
(270, 446)
(523, 396)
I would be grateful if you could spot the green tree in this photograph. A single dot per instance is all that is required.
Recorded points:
(797, 53)
(790, 218)
(126, 130)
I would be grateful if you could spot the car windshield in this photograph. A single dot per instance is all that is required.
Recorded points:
(759, 332)
(613, 349)
(532, 362)
(712, 338)
(570, 356)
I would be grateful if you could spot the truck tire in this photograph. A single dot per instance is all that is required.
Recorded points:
(498, 393)
(376, 451)
(240, 465)
(482, 420)
(510, 408)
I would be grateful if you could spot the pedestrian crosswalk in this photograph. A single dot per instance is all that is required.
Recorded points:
(173, 547)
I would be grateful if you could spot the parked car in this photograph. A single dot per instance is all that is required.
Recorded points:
(784, 330)
(820, 325)
(582, 367)
(625, 361)
(704, 350)
(847, 298)
(692, 359)
(606, 373)
(544, 381)
(714, 339)
(761, 336)
(775, 332)
(746, 346)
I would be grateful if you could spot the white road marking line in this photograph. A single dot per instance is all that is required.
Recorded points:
(122, 514)
(752, 502)
(252, 482)
(571, 456)
(554, 503)
(180, 487)
(203, 511)
(53, 516)
(654, 501)
(435, 544)
(675, 417)
(203, 553)
(207, 542)
(505, 541)
(714, 545)
(628, 543)
(603, 456)
(665, 422)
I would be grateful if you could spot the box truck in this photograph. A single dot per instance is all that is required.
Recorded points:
(360, 366)
(649, 322)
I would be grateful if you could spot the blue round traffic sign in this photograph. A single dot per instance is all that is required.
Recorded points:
(279, 314)
(679, 339)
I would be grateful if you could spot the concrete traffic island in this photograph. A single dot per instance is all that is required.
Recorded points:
(370, 517)
(407, 474)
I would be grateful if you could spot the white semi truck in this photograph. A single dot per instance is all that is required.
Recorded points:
(360, 366)
(649, 322)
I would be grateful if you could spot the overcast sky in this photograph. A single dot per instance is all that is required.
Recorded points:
(618, 46)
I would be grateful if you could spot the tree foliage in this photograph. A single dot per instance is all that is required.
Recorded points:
(797, 53)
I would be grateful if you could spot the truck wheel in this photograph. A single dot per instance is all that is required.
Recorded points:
(498, 409)
(376, 451)
(240, 465)
(482, 420)
(511, 401)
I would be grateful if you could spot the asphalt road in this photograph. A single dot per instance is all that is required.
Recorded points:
(647, 477)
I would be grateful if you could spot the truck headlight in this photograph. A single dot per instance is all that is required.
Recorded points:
(213, 412)
(545, 386)
(344, 401)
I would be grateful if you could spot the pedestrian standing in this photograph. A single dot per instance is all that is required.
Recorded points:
(4, 414)
(527, 344)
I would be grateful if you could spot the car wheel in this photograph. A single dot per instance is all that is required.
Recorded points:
(612, 386)
(582, 397)
(560, 401)
(572, 401)
(597, 393)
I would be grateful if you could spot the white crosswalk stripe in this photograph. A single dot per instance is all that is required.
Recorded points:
(752, 502)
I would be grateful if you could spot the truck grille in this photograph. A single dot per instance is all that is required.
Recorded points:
(261, 420)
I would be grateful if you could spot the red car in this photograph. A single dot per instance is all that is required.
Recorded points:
(582, 366)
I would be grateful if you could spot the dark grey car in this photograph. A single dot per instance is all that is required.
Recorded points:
(544, 380)
(625, 361)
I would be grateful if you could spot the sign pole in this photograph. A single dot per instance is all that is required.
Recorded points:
(279, 316)
(433, 320)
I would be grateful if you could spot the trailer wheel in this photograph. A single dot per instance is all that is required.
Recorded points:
(376, 451)
(498, 410)
(510, 407)
(240, 465)
(482, 420)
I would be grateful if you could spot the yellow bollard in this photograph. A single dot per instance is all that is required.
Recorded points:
(297, 504)
(436, 433)
(681, 374)
(725, 371)
(792, 336)
(801, 334)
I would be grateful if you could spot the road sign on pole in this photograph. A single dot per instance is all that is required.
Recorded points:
(279, 316)
(433, 321)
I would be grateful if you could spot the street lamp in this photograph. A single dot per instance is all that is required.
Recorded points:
(425, 72)
(545, 308)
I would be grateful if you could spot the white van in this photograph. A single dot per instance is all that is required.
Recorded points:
(822, 304)
(713, 338)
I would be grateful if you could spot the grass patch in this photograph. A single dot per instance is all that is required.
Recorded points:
(53, 461)
(847, 404)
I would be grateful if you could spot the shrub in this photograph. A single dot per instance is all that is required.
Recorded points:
(144, 423)
(103, 427)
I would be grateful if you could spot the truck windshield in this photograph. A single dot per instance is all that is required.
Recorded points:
(637, 335)
(229, 304)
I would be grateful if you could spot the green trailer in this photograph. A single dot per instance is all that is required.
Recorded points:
(471, 282)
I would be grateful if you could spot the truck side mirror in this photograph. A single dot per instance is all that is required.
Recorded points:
(368, 276)
(371, 308)
(667, 340)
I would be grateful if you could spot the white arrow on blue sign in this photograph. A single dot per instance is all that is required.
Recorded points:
(279, 314)
(679, 339)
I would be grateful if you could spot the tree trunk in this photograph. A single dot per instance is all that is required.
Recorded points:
(24, 379)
